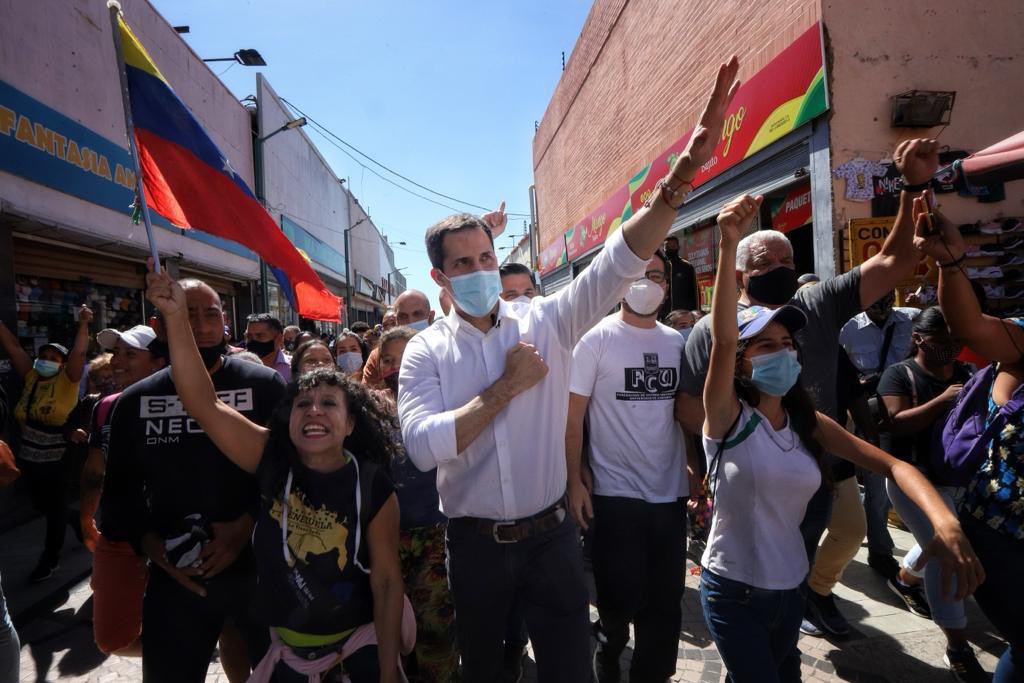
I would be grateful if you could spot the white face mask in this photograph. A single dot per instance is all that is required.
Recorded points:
(644, 297)
(350, 361)
(522, 299)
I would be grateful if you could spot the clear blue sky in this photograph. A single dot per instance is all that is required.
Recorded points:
(445, 93)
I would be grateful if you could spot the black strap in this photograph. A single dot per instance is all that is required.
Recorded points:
(886, 343)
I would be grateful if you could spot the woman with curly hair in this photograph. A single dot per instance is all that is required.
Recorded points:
(328, 513)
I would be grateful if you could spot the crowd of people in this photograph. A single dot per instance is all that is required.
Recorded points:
(407, 501)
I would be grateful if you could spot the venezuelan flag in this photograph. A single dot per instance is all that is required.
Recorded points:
(190, 182)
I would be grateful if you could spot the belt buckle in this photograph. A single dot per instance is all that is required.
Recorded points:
(494, 531)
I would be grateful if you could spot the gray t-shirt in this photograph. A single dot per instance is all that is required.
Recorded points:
(828, 305)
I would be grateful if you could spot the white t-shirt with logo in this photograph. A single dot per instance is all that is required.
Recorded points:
(631, 375)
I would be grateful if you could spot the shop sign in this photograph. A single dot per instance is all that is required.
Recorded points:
(794, 211)
(866, 237)
(552, 257)
(787, 93)
(698, 249)
(311, 247)
(597, 226)
(42, 145)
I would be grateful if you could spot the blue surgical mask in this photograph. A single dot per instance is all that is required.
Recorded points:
(419, 325)
(476, 292)
(775, 373)
(350, 361)
(46, 368)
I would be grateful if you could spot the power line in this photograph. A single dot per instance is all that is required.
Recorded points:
(390, 170)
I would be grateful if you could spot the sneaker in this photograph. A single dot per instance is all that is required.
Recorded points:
(823, 612)
(808, 627)
(1012, 225)
(1011, 260)
(995, 249)
(990, 229)
(993, 272)
(43, 571)
(606, 668)
(994, 291)
(1008, 246)
(912, 597)
(1013, 275)
(512, 666)
(964, 666)
(885, 565)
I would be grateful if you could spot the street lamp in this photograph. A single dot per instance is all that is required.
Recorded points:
(245, 57)
(348, 276)
(257, 150)
(396, 270)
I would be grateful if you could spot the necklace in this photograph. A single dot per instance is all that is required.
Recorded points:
(784, 438)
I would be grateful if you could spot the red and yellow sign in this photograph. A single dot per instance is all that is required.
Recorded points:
(866, 236)
(795, 210)
(552, 257)
(698, 249)
(778, 99)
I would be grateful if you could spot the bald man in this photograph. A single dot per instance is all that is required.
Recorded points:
(412, 309)
(180, 502)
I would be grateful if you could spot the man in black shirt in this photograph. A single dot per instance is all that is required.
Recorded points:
(682, 278)
(172, 494)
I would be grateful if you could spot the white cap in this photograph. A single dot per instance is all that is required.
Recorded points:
(138, 337)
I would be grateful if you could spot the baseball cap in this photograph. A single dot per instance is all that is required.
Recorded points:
(138, 337)
(753, 320)
(59, 348)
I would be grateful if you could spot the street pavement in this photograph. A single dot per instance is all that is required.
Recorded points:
(888, 644)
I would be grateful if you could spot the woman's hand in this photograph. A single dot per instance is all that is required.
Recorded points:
(944, 243)
(164, 292)
(954, 552)
(736, 216)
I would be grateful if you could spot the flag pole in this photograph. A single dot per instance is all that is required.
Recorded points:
(115, 11)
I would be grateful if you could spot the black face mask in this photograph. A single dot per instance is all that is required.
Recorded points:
(260, 348)
(212, 354)
(289, 346)
(775, 288)
(671, 253)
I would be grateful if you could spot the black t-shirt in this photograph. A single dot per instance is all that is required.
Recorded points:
(320, 589)
(896, 381)
(683, 293)
(164, 474)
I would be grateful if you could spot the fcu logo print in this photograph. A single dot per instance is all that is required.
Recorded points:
(649, 383)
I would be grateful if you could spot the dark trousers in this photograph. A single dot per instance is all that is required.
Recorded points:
(639, 558)
(180, 629)
(543, 574)
(47, 484)
(756, 630)
(1001, 596)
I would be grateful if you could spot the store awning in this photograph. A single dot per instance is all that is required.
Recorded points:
(795, 209)
(999, 163)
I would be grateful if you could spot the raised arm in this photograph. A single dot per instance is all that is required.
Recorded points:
(949, 544)
(917, 160)
(596, 291)
(994, 338)
(434, 434)
(241, 440)
(720, 405)
(76, 360)
(21, 361)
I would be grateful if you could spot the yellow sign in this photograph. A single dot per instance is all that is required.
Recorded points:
(866, 237)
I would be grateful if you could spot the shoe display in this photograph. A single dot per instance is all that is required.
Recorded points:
(964, 666)
(823, 613)
(1013, 275)
(1011, 260)
(993, 272)
(912, 597)
(994, 291)
(1008, 246)
(1011, 225)
(990, 229)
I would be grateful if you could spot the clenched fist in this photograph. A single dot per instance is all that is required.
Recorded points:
(524, 367)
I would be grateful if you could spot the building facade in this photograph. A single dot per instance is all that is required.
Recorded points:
(811, 127)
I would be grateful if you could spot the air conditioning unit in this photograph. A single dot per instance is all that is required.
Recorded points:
(922, 108)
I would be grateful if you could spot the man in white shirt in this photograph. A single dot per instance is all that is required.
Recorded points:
(625, 373)
(483, 396)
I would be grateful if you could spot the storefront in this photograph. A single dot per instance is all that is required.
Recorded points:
(766, 148)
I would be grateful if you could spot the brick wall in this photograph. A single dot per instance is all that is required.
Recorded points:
(636, 81)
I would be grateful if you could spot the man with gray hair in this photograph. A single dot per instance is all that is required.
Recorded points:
(767, 276)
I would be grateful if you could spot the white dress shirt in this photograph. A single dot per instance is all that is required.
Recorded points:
(516, 466)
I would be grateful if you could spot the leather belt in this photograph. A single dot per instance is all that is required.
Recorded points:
(518, 529)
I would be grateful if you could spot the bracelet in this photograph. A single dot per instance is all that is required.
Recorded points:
(673, 198)
(953, 263)
(916, 187)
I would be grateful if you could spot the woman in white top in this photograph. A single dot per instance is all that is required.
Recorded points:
(766, 471)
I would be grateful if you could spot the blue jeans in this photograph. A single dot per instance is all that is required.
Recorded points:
(1001, 596)
(756, 630)
(10, 648)
(946, 612)
(876, 512)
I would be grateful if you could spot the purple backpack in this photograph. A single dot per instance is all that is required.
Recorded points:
(969, 429)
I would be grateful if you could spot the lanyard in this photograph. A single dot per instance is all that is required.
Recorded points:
(359, 508)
